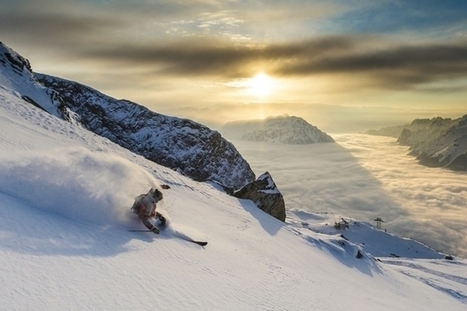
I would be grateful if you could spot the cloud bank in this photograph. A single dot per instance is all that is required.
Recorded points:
(364, 177)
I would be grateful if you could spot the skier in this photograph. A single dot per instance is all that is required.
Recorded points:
(145, 208)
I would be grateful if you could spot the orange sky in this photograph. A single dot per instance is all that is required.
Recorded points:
(344, 66)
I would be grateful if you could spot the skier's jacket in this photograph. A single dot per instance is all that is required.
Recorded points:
(145, 206)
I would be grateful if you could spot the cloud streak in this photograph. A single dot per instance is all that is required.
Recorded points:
(389, 65)
(58, 28)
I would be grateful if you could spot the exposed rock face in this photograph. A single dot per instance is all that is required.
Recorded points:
(266, 196)
(181, 144)
(16, 74)
(18, 63)
(282, 129)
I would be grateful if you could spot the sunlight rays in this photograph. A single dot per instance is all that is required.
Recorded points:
(257, 88)
(261, 86)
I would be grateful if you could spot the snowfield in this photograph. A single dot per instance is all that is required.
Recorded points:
(65, 196)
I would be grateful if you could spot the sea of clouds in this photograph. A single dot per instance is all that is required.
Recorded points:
(364, 177)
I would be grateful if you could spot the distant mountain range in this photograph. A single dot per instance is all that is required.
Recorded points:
(436, 142)
(180, 144)
(281, 129)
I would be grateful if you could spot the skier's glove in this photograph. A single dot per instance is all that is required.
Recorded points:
(155, 230)
(161, 219)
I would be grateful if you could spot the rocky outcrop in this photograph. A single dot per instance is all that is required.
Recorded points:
(181, 144)
(265, 194)
(16, 74)
(282, 129)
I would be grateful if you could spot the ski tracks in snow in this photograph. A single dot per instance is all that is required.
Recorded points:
(431, 274)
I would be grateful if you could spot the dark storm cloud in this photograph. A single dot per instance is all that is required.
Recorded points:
(52, 27)
(411, 63)
(66, 25)
(387, 64)
(49, 27)
(211, 57)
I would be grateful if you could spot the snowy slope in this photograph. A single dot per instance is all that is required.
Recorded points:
(281, 129)
(65, 195)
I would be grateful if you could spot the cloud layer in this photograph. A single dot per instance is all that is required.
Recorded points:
(365, 177)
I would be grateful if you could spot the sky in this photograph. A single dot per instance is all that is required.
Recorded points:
(344, 66)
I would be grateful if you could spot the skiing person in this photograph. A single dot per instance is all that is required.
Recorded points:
(145, 207)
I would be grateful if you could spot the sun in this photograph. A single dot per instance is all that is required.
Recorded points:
(261, 85)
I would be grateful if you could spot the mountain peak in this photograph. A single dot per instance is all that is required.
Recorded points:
(8, 57)
(283, 129)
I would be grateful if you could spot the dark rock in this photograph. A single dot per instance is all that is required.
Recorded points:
(266, 196)
(359, 254)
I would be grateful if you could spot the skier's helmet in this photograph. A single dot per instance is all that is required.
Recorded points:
(157, 195)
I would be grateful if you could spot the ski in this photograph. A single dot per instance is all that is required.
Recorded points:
(197, 242)
(200, 243)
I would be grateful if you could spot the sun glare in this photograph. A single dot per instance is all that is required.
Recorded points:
(261, 85)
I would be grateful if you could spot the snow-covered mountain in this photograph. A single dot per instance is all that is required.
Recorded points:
(423, 131)
(181, 144)
(281, 129)
(448, 150)
(436, 142)
(65, 198)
